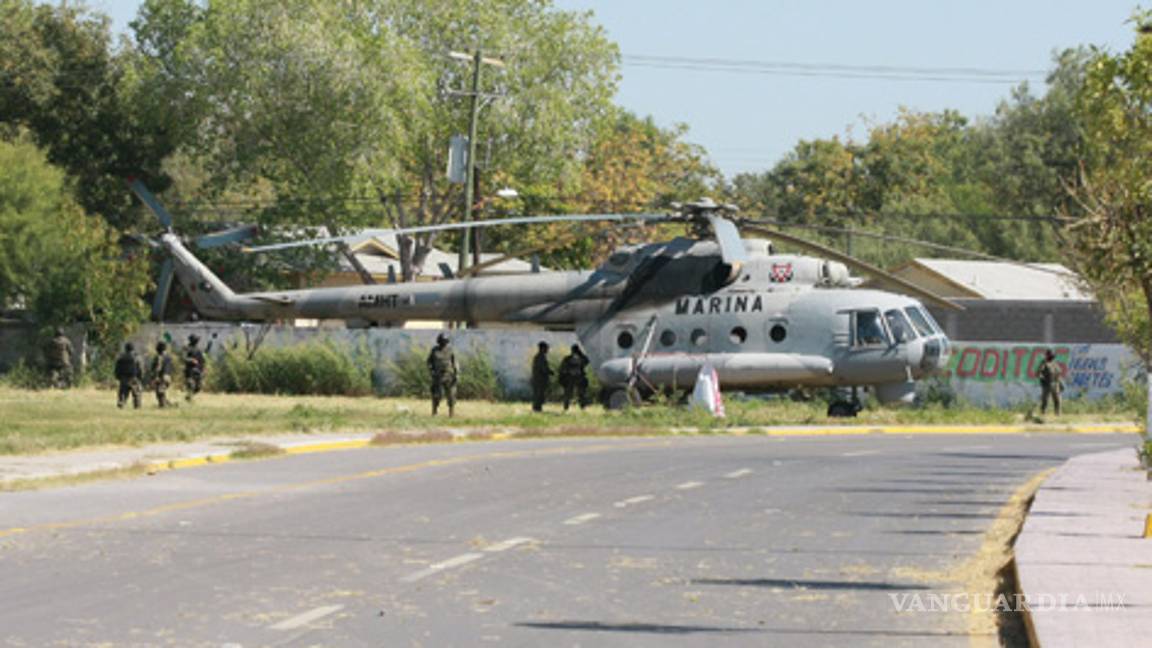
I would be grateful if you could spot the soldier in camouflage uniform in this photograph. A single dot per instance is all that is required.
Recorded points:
(1051, 376)
(541, 376)
(573, 377)
(58, 358)
(194, 366)
(129, 373)
(442, 367)
(161, 374)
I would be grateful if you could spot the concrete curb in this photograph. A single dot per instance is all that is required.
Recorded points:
(81, 463)
(1082, 561)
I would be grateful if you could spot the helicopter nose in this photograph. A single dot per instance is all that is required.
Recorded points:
(936, 353)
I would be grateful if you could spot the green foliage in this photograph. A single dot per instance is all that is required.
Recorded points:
(476, 378)
(317, 369)
(58, 262)
(332, 108)
(408, 374)
(1113, 238)
(66, 84)
(23, 375)
(938, 177)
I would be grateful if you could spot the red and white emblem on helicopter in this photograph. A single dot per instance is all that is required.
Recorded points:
(781, 272)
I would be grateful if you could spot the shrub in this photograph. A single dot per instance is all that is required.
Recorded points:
(323, 369)
(476, 379)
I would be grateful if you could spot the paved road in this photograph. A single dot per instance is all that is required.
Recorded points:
(694, 541)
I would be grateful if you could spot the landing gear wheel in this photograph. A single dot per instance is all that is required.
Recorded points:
(616, 399)
(842, 409)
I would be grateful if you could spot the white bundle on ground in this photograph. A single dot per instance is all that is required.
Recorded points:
(706, 394)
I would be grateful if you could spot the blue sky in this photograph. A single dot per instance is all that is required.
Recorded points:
(749, 121)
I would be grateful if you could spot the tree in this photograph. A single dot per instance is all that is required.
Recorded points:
(56, 261)
(65, 84)
(344, 108)
(1113, 238)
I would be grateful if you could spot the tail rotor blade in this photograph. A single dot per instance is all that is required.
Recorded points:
(150, 201)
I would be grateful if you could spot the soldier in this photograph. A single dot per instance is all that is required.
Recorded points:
(58, 357)
(572, 377)
(541, 376)
(442, 367)
(194, 366)
(129, 371)
(161, 374)
(1051, 376)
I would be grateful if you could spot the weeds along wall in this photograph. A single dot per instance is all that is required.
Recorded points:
(494, 363)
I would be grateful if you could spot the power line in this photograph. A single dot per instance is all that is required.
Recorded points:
(834, 70)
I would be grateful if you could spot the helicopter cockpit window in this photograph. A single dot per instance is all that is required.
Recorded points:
(668, 337)
(901, 330)
(869, 329)
(931, 320)
(624, 340)
(919, 321)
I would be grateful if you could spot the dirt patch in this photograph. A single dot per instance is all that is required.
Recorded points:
(990, 573)
(256, 450)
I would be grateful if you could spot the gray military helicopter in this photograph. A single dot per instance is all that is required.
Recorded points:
(652, 315)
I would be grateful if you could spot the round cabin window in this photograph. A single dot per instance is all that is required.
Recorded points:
(624, 340)
(668, 338)
(778, 333)
(738, 335)
(699, 337)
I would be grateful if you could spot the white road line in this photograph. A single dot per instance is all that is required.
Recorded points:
(581, 519)
(689, 485)
(859, 453)
(508, 544)
(633, 500)
(736, 474)
(462, 559)
(301, 620)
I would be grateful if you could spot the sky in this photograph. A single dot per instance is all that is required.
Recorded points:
(832, 53)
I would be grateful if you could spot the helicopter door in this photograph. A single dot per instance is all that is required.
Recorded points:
(872, 356)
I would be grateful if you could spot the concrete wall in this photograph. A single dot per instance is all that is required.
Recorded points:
(1072, 322)
(1004, 373)
(511, 351)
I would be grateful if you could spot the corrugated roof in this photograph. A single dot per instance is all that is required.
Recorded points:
(999, 280)
(379, 250)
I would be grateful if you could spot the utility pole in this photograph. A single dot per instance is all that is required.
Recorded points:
(478, 59)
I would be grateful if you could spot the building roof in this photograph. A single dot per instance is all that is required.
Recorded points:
(379, 250)
(994, 280)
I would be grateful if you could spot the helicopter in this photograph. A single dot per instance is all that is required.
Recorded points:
(652, 315)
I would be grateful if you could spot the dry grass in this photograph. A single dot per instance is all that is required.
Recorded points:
(38, 421)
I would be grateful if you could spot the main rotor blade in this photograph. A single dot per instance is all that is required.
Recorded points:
(728, 237)
(444, 227)
(925, 244)
(163, 289)
(863, 266)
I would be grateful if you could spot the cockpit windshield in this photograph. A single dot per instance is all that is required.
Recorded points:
(869, 329)
(920, 321)
(902, 331)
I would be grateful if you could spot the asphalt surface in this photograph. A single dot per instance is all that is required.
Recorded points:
(681, 541)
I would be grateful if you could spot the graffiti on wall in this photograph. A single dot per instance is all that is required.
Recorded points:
(1001, 373)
